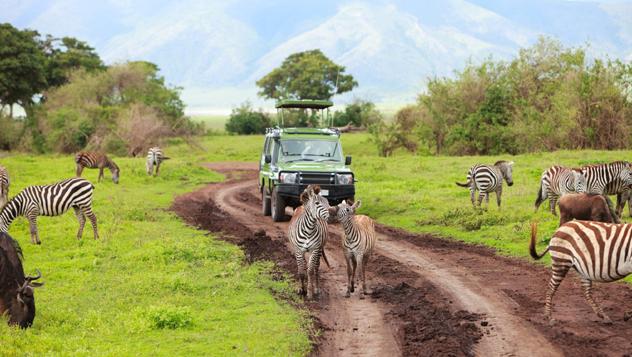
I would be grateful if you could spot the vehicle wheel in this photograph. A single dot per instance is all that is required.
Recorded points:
(278, 206)
(265, 203)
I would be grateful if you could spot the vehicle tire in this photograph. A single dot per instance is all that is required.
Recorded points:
(265, 203)
(277, 206)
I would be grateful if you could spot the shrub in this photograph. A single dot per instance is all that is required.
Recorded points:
(245, 120)
(360, 113)
(169, 317)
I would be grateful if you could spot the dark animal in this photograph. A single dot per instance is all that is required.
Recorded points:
(586, 207)
(307, 233)
(16, 289)
(597, 251)
(51, 200)
(557, 181)
(97, 160)
(486, 179)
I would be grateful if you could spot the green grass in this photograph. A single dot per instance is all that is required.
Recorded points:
(418, 193)
(152, 285)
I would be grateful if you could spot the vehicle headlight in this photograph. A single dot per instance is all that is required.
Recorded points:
(288, 177)
(344, 179)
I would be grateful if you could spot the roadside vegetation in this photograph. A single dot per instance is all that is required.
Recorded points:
(152, 285)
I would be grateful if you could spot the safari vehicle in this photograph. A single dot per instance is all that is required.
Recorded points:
(293, 158)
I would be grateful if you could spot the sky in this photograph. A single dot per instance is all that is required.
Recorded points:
(216, 50)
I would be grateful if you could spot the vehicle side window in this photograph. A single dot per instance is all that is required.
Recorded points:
(266, 148)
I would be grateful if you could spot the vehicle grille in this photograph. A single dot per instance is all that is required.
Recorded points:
(319, 178)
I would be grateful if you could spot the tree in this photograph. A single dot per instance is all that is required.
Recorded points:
(306, 75)
(66, 54)
(360, 113)
(245, 120)
(21, 67)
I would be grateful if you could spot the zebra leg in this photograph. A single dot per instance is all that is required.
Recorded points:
(150, 168)
(362, 274)
(587, 285)
(157, 168)
(82, 221)
(349, 261)
(100, 174)
(481, 195)
(300, 263)
(79, 170)
(553, 202)
(558, 272)
(354, 261)
(499, 193)
(313, 288)
(32, 217)
(473, 196)
(93, 220)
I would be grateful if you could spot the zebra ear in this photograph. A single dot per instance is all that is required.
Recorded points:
(304, 197)
(510, 163)
(357, 205)
(316, 189)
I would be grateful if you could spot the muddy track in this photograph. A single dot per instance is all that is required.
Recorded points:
(430, 296)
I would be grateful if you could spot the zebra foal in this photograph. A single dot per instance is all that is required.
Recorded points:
(597, 251)
(155, 157)
(487, 179)
(51, 200)
(307, 233)
(357, 244)
(558, 181)
(97, 160)
(4, 186)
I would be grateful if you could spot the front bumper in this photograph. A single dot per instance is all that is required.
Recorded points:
(336, 193)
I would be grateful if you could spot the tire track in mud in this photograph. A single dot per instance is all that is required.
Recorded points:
(430, 294)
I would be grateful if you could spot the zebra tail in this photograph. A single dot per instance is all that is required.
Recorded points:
(534, 236)
(165, 158)
(539, 199)
(325, 259)
(467, 184)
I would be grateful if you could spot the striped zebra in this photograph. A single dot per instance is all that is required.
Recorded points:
(307, 233)
(4, 186)
(155, 157)
(486, 179)
(598, 251)
(51, 200)
(358, 242)
(622, 191)
(558, 181)
(97, 160)
(617, 174)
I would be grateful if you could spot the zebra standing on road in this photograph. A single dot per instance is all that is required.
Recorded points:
(597, 251)
(97, 160)
(4, 186)
(51, 200)
(358, 242)
(558, 181)
(155, 157)
(486, 179)
(307, 233)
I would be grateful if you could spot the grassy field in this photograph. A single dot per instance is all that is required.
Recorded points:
(418, 193)
(212, 121)
(152, 285)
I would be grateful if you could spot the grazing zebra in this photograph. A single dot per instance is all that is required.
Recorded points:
(307, 233)
(51, 200)
(558, 181)
(597, 251)
(358, 243)
(97, 160)
(486, 179)
(4, 186)
(155, 157)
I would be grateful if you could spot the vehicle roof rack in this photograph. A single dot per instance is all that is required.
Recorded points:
(304, 103)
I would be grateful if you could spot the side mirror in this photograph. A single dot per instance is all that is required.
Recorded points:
(268, 158)
(348, 160)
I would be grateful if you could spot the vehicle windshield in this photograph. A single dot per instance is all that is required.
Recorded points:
(310, 150)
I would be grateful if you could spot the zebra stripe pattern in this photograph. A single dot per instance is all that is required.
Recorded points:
(51, 200)
(597, 251)
(4, 186)
(622, 191)
(358, 243)
(307, 233)
(97, 160)
(155, 157)
(617, 174)
(486, 179)
(558, 181)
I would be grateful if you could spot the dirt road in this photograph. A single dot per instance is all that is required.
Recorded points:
(430, 296)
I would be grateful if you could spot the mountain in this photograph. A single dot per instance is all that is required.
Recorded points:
(216, 50)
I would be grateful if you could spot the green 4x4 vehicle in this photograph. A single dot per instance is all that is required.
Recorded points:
(293, 158)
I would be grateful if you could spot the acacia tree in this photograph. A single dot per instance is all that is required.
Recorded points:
(306, 75)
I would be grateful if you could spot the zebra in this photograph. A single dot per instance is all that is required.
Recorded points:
(97, 160)
(486, 179)
(155, 157)
(622, 191)
(51, 200)
(358, 242)
(307, 233)
(617, 174)
(597, 251)
(4, 186)
(558, 181)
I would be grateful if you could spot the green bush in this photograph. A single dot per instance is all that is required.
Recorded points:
(360, 113)
(169, 317)
(245, 120)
